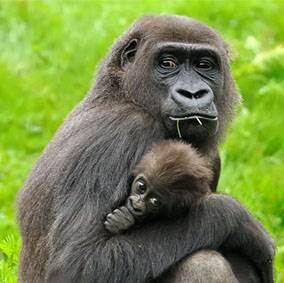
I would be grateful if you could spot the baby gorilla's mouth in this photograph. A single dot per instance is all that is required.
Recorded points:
(133, 208)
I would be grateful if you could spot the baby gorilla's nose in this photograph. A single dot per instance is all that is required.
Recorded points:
(137, 204)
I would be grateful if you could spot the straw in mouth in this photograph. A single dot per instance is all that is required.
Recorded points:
(192, 117)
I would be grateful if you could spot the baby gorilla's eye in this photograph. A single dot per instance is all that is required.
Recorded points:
(155, 202)
(141, 186)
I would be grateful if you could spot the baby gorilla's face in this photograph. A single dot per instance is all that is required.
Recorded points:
(143, 199)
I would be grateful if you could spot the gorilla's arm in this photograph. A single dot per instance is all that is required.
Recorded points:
(250, 239)
(216, 166)
(132, 257)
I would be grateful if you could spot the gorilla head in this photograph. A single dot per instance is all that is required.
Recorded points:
(177, 70)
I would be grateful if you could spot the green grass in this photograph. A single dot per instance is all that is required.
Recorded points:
(48, 54)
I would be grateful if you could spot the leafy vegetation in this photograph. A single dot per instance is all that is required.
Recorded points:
(48, 53)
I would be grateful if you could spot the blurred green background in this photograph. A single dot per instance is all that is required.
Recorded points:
(49, 51)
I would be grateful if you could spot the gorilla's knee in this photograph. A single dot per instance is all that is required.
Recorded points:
(202, 267)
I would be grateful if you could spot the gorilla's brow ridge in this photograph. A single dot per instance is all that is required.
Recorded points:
(188, 47)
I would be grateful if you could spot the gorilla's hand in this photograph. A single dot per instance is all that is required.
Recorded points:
(119, 220)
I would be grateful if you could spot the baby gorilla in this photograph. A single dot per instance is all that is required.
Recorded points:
(170, 178)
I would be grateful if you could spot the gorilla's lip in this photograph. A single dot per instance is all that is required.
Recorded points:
(207, 112)
(195, 116)
(135, 211)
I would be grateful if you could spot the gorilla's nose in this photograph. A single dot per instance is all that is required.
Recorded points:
(137, 204)
(189, 97)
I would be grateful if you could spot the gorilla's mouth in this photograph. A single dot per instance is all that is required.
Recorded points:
(208, 113)
(208, 122)
(135, 211)
(199, 117)
(196, 116)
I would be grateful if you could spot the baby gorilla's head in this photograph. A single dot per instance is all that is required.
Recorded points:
(172, 176)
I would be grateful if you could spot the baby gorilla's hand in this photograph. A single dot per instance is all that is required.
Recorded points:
(120, 219)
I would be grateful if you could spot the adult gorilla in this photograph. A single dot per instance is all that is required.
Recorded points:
(167, 77)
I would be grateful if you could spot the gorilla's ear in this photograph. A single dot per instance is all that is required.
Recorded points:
(129, 51)
(229, 51)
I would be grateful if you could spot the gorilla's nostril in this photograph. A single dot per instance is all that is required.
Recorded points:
(185, 93)
(200, 93)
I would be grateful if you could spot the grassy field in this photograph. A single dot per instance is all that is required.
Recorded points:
(49, 51)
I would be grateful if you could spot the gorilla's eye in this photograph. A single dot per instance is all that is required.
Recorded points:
(141, 186)
(205, 65)
(168, 63)
(155, 202)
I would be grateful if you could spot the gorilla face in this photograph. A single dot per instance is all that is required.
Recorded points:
(185, 79)
(189, 77)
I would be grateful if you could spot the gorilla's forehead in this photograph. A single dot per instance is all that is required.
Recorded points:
(178, 29)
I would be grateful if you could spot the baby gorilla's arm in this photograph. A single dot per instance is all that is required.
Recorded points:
(119, 220)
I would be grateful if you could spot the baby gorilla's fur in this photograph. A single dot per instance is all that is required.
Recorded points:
(170, 178)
